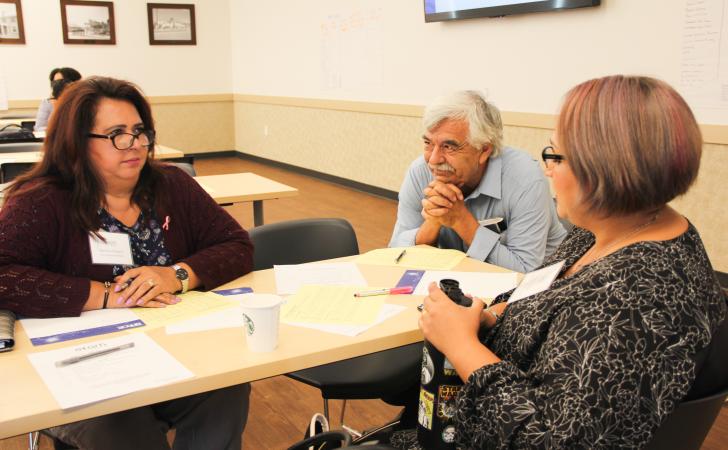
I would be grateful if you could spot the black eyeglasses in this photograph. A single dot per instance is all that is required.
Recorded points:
(550, 158)
(124, 141)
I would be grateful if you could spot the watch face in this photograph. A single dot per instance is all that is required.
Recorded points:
(181, 274)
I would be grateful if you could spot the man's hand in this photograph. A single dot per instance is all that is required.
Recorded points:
(444, 204)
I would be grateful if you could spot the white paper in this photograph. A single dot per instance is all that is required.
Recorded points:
(388, 310)
(478, 284)
(536, 281)
(228, 318)
(144, 366)
(116, 249)
(36, 328)
(290, 277)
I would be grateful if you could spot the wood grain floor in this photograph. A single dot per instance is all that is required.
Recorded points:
(280, 407)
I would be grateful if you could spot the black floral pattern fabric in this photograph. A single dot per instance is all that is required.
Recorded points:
(600, 358)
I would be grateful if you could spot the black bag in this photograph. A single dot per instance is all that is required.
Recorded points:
(15, 133)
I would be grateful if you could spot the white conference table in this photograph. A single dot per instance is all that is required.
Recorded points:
(218, 358)
(245, 187)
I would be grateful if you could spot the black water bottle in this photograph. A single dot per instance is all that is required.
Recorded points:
(439, 385)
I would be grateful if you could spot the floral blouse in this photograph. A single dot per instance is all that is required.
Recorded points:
(147, 241)
(600, 358)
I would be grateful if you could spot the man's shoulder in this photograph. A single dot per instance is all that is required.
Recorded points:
(519, 167)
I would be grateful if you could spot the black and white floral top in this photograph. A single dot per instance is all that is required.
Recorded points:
(146, 237)
(600, 358)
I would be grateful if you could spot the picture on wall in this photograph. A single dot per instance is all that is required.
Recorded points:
(88, 22)
(171, 24)
(11, 22)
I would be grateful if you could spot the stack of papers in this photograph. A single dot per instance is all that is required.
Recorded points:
(419, 257)
(193, 304)
(334, 309)
(290, 278)
(478, 284)
(141, 364)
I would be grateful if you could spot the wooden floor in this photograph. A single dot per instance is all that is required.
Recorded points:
(280, 408)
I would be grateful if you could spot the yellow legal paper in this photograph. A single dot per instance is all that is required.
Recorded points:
(420, 257)
(193, 304)
(331, 305)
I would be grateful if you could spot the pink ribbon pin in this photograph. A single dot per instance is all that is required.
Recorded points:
(166, 223)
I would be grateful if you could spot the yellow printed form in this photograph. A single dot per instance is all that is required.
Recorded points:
(193, 304)
(420, 257)
(331, 305)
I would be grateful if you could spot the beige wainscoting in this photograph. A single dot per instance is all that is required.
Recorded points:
(374, 143)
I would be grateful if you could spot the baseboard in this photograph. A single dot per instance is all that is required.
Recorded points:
(367, 188)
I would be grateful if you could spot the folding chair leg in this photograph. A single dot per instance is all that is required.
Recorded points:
(326, 410)
(33, 437)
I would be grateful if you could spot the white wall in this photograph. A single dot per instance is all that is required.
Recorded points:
(385, 52)
(159, 70)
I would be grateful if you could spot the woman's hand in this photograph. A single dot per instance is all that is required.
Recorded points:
(447, 325)
(150, 286)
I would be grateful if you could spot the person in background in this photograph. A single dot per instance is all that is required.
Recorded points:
(467, 176)
(600, 357)
(59, 78)
(98, 175)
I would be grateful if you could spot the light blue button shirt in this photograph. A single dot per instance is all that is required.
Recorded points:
(513, 187)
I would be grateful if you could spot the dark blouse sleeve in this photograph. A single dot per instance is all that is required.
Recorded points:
(610, 368)
(29, 240)
(222, 250)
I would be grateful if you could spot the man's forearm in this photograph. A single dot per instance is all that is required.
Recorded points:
(428, 233)
(466, 228)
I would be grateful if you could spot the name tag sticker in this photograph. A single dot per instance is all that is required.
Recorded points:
(115, 251)
(536, 281)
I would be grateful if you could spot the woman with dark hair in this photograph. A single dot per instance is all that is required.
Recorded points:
(599, 357)
(98, 177)
(59, 78)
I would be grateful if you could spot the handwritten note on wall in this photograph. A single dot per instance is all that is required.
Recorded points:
(704, 68)
(351, 50)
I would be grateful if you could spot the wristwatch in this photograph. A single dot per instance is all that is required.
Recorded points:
(182, 276)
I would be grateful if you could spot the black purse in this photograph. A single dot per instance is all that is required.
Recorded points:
(16, 133)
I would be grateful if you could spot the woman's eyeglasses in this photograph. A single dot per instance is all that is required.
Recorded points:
(124, 141)
(550, 158)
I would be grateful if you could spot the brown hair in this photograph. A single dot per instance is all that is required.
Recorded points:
(631, 141)
(66, 163)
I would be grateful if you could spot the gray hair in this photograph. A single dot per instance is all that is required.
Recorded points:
(484, 119)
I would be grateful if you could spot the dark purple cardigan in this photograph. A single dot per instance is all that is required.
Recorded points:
(45, 262)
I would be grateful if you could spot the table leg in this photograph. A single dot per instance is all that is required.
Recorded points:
(257, 212)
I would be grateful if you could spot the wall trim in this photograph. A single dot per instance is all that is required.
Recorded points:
(367, 188)
(153, 99)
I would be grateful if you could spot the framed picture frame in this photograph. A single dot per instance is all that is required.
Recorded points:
(89, 22)
(11, 22)
(171, 24)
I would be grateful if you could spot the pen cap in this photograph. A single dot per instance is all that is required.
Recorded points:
(451, 288)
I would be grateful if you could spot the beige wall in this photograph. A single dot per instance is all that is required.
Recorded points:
(375, 148)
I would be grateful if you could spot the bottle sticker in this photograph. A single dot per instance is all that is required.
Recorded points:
(448, 434)
(446, 401)
(448, 369)
(424, 415)
(428, 367)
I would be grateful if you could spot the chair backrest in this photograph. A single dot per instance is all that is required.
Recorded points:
(302, 241)
(10, 170)
(687, 426)
(187, 167)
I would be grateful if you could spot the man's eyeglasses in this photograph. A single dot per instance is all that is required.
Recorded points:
(124, 141)
(550, 158)
(447, 147)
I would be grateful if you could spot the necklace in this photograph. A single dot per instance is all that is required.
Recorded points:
(608, 248)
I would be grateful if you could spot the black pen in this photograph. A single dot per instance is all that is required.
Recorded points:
(124, 285)
(396, 261)
(77, 359)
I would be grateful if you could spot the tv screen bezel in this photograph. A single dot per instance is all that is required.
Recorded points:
(507, 10)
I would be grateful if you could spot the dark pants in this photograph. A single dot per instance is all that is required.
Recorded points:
(410, 399)
(212, 420)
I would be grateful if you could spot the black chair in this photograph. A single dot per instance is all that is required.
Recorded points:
(186, 163)
(10, 170)
(374, 376)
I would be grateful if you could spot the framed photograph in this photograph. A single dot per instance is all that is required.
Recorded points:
(171, 24)
(88, 22)
(11, 22)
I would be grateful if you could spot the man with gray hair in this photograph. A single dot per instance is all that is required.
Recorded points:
(467, 180)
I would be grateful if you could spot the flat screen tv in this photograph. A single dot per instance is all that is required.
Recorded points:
(439, 10)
